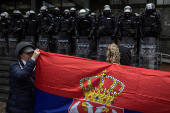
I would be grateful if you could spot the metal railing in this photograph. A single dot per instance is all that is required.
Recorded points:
(163, 58)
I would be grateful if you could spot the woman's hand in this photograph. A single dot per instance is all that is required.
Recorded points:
(36, 54)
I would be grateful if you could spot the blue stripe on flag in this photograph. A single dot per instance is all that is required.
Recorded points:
(49, 103)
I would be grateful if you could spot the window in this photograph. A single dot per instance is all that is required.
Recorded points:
(137, 1)
(163, 2)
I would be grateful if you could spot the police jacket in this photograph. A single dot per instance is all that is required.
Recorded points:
(21, 97)
(150, 24)
(30, 26)
(107, 25)
(127, 25)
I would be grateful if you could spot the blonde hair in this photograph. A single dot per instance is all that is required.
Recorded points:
(113, 51)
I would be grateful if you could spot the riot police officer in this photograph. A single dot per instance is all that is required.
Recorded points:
(7, 17)
(127, 33)
(150, 28)
(30, 28)
(4, 26)
(66, 27)
(56, 18)
(107, 28)
(84, 31)
(17, 26)
(73, 16)
(102, 12)
(150, 22)
(45, 30)
(16, 30)
(94, 39)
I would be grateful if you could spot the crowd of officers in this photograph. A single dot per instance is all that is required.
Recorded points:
(45, 29)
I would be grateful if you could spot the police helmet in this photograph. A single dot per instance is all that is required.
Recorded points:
(150, 6)
(82, 12)
(106, 6)
(127, 11)
(107, 9)
(21, 46)
(93, 14)
(128, 7)
(6, 14)
(43, 8)
(17, 12)
(32, 12)
(3, 15)
(72, 9)
(66, 10)
(56, 9)
(87, 10)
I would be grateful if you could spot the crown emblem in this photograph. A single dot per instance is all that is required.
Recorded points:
(100, 94)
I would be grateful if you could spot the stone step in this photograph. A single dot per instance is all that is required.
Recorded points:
(6, 62)
(4, 68)
(3, 97)
(4, 81)
(4, 89)
(4, 74)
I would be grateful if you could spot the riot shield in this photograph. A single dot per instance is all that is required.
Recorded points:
(131, 44)
(43, 42)
(3, 45)
(102, 47)
(12, 43)
(54, 43)
(148, 56)
(29, 39)
(83, 47)
(64, 46)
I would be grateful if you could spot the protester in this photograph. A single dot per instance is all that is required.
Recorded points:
(21, 79)
(118, 54)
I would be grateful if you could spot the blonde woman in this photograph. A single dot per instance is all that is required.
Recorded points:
(118, 54)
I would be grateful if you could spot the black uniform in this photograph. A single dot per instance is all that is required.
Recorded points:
(45, 31)
(66, 27)
(56, 19)
(16, 34)
(107, 28)
(127, 34)
(30, 30)
(150, 28)
(84, 30)
(4, 27)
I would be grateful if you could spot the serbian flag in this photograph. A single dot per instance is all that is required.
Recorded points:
(67, 84)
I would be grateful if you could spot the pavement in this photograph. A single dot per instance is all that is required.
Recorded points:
(2, 107)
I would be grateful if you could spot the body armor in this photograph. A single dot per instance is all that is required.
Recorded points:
(84, 27)
(107, 22)
(65, 25)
